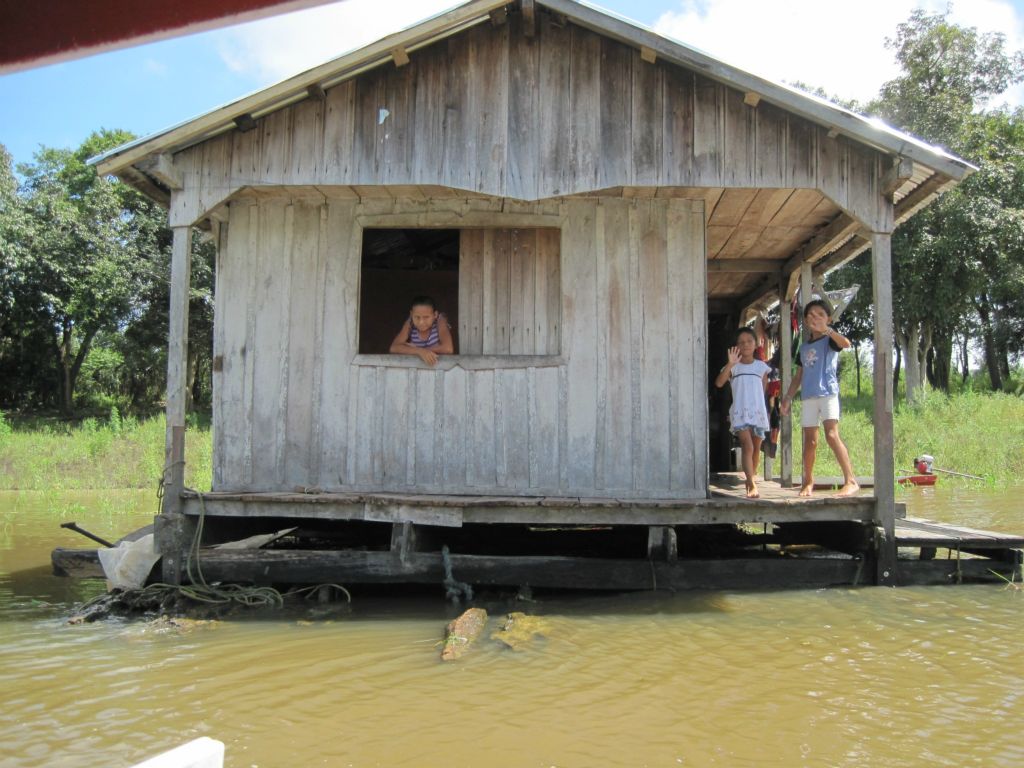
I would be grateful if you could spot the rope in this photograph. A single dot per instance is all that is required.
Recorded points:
(455, 590)
(202, 591)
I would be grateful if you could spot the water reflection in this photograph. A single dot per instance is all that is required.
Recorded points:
(842, 677)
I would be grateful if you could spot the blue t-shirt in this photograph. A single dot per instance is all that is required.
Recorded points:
(820, 361)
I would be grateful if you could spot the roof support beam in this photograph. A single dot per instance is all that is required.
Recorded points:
(768, 287)
(245, 122)
(145, 184)
(840, 228)
(921, 195)
(648, 54)
(400, 56)
(745, 265)
(529, 11)
(848, 250)
(900, 173)
(162, 169)
(828, 239)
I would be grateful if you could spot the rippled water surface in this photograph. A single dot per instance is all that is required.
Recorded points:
(842, 677)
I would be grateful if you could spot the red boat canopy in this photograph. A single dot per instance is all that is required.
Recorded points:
(41, 32)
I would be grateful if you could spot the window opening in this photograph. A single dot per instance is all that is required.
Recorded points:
(398, 265)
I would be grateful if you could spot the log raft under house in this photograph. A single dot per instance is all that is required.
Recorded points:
(595, 208)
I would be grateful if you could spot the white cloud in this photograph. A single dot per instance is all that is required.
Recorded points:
(838, 46)
(833, 44)
(279, 47)
(155, 67)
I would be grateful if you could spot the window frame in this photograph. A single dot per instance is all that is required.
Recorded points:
(470, 219)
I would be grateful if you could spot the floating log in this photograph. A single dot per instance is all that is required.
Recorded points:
(460, 633)
(520, 630)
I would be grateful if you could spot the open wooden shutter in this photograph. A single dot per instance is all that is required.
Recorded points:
(510, 292)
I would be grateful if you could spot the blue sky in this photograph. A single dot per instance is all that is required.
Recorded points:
(147, 88)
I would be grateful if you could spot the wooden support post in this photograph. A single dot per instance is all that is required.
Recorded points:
(885, 497)
(662, 543)
(806, 284)
(403, 540)
(786, 365)
(173, 535)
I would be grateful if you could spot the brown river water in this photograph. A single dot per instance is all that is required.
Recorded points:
(838, 677)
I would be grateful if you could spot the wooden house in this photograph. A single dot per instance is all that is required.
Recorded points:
(585, 198)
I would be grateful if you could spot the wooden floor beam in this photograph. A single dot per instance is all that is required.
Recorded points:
(768, 572)
(453, 512)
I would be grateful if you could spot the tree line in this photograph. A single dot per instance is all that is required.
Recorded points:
(84, 281)
(958, 265)
(85, 260)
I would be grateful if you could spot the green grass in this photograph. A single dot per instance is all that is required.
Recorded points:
(979, 433)
(46, 454)
(972, 432)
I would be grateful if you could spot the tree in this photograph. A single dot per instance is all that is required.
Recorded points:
(948, 74)
(983, 228)
(26, 369)
(89, 243)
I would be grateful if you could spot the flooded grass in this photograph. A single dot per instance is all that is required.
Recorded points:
(49, 455)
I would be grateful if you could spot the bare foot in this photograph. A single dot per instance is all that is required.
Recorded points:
(753, 493)
(807, 490)
(850, 489)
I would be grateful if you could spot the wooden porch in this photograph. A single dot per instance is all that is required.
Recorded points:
(727, 506)
(780, 541)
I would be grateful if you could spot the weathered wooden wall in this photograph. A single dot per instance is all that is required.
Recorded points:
(510, 291)
(565, 112)
(619, 409)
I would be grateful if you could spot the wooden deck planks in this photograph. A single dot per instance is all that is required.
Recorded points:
(530, 510)
(912, 532)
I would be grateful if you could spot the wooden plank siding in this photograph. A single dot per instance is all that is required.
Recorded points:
(596, 388)
(510, 287)
(565, 112)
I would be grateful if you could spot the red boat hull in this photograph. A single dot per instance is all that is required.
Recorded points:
(917, 480)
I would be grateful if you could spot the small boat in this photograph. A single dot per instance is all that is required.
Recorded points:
(917, 479)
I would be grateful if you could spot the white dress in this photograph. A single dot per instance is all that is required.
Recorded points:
(747, 383)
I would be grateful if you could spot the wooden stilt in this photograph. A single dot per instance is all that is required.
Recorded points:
(662, 543)
(173, 534)
(403, 540)
(885, 499)
(786, 363)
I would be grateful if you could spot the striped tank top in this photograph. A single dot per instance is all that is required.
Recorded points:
(433, 337)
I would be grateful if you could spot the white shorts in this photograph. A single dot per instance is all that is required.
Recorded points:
(819, 409)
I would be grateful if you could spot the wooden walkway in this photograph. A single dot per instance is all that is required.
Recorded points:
(930, 536)
(570, 542)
